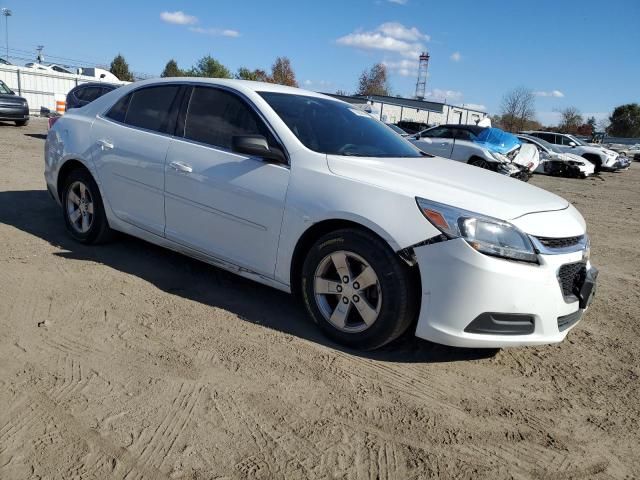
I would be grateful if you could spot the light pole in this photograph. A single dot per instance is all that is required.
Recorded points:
(7, 13)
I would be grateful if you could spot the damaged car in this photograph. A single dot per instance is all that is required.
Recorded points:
(489, 148)
(304, 193)
(555, 162)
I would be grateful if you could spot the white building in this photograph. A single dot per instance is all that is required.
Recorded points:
(395, 109)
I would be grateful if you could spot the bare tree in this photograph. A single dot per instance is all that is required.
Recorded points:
(570, 120)
(517, 109)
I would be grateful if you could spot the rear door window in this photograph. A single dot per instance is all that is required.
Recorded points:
(150, 108)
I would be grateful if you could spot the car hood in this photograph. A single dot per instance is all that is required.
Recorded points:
(450, 182)
(11, 100)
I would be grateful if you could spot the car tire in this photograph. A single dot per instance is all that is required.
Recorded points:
(387, 298)
(481, 163)
(83, 210)
(21, 123)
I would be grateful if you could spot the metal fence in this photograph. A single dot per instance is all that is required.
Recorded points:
(40, 88)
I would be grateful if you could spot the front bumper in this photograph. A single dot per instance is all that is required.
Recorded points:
(620, 163)
(460, 285)
(12, 113)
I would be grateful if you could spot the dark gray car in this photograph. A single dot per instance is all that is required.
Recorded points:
(12, 107)
(86, 93)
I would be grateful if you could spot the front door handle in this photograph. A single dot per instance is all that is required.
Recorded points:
(105, 145)
(181, 167)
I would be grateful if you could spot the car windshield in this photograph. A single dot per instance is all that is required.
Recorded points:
(545, 144)
(335, 128)
(497, 140)
(396, 129)
(4, 89)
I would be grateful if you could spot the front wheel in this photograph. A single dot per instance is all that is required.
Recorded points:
(357, 290)
(482, 163)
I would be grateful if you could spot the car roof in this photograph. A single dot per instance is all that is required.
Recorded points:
(96, 84)
(240, 85)
(473, 128)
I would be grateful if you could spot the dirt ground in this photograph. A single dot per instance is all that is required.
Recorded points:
(129, 361)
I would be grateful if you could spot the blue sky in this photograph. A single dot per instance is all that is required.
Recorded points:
(581, 53)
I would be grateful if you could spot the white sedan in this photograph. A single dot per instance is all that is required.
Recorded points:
(554, 161)
(302, 192)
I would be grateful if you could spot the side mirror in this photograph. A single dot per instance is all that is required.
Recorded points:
(257, 146)
(572, 144)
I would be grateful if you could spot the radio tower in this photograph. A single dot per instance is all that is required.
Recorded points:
(421, 85)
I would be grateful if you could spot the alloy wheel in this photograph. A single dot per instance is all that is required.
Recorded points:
(80, 209)
(347, 291)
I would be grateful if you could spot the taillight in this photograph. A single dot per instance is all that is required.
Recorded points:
(52, 121)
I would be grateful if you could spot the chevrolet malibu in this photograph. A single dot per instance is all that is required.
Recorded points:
(306, 194)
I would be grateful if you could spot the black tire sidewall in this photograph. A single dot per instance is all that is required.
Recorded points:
(398, 305)
(99, 225)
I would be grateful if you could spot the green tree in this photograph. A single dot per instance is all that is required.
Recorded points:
(208, 66)
(282, 72)
(374, 81)
(120, 68)
(625, 121)
(171, 70)
(255, 75)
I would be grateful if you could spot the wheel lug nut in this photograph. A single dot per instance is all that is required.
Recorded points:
(345, 279)
(339, 288)
(356, 285)
(356, 298)
(345, 300)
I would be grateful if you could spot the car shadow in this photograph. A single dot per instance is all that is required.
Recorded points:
(39, 136)
(179, 275)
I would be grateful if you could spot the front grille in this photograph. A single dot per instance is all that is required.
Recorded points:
(570, 276)
(560, 242)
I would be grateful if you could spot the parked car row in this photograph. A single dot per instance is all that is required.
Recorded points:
(484, 147)
(309, 195)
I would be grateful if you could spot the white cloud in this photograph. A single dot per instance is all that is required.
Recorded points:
(389, 37)
(216, 32)
(456, 57)
(450, 95)
(178, 18)
(317, 84)
(403, 67)
(552, 93)
(398, 2)
(399, 31)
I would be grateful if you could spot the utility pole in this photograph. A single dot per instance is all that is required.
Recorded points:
(7, 13)
(40, 57)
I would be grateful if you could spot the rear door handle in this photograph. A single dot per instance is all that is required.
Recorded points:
(105, 145)
(181, 167)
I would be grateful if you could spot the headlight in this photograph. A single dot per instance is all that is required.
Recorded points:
(575, 163)
(499, 157)
(485, 234)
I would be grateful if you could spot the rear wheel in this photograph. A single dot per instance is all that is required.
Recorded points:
(21, 123)
(357, 290)
(83, 210)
